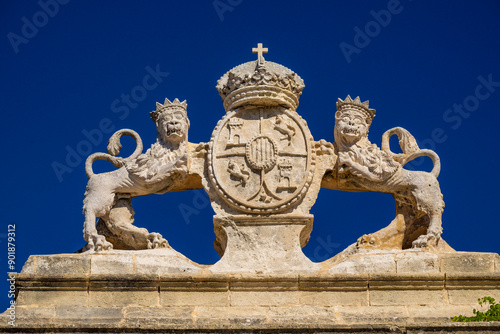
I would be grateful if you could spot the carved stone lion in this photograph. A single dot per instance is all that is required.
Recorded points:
(155, 172)
(362, 166)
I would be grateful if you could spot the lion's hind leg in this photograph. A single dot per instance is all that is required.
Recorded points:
(433, 235)
(429, 201)
(97, 203)
(123, 234)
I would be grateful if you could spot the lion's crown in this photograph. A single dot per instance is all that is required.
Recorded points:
(349, 103)
(168, 106)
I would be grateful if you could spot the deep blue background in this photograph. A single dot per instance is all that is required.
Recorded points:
(64, 78)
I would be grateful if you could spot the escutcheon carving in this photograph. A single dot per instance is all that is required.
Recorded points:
(260, 159)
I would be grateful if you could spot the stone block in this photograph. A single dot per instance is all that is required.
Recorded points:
(332, 298)
(43, 298)
(95, 314)
(162, 265)
(366, 263)
(112, 263)
(467, 288)
(466, 262)
(29, 265)
(470, 297)
(63, 264)
(302, 315)
(149, 315)
(407, 289)
(249, 298)
(187, 298)
(420, 313)
(29, 313)
(124, 298)
(223, 316)
(372, 314)
(417, 262)
(407, 297)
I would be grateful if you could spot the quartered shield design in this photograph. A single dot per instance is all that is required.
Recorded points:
(260, 160)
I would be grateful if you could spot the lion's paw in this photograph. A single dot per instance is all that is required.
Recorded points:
(366, 240)
(425, 240)
(155, 240)
(98, 243)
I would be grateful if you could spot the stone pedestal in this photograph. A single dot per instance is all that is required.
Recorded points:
(263, 244)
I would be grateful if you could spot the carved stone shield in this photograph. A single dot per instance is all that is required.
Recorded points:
(260, 159)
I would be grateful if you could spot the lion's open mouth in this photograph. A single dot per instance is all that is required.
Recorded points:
(350, 131)
(173, 132)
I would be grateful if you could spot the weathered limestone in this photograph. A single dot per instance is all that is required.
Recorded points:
(255, 244)
(262, 170)
(204, 300)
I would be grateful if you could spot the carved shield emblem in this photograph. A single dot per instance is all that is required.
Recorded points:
(260, 160)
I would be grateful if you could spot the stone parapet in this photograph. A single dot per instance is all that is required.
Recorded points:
(82, 294)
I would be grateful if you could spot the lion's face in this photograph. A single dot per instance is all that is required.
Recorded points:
(173, 126)
(350, 126)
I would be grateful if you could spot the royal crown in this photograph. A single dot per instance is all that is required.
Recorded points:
(262, 83)
(168, 106)
(349, 103)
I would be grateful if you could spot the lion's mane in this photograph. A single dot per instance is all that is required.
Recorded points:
(160, 153)
(380, 164)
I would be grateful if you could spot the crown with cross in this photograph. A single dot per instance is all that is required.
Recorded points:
(356, 104)
(168, 106)
(261, 83)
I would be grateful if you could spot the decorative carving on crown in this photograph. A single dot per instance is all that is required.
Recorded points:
(349, 104)
(169, 106)
(265, 84)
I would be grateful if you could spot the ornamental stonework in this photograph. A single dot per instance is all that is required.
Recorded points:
(263, 171)
(260, 159)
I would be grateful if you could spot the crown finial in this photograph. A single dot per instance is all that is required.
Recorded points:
(259, 50)
(264, 84)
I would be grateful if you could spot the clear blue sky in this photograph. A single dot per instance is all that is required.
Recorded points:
(66, 71)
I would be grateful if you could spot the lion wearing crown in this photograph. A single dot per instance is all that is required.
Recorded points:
(155, 172)
(362, 166)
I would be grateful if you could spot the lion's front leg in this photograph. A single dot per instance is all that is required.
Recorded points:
(95, 241)
(98, 243)
(433, 234)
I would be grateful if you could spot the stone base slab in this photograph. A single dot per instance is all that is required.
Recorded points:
(134, 292)
(244, 301)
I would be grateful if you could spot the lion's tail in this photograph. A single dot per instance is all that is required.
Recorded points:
(410, 149)
(113, 149)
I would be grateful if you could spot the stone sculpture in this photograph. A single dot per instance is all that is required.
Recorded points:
(362, 166)
(262, 161)
(154, 172)
(262, 170)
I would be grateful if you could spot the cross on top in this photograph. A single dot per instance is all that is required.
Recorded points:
(259, 50)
